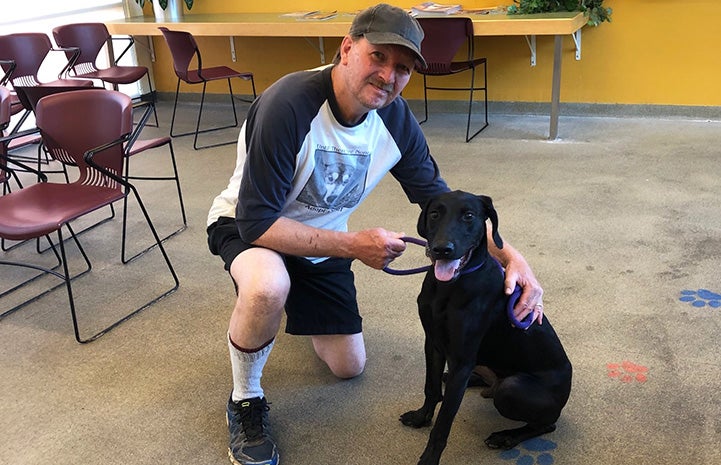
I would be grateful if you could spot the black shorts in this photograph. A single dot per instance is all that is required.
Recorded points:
(322, 298)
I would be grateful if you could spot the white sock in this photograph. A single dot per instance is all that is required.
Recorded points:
(247, 370)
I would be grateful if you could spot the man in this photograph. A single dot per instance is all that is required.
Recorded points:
(314, 145)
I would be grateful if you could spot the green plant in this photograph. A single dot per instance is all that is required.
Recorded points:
(592, 9)
(164, 3)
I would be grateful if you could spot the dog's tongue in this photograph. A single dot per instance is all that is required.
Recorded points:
(445, 270)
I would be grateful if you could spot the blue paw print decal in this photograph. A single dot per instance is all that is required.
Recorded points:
(535, 451)
(701, 298)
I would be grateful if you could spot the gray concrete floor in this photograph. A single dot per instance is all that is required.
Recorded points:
(619, 219)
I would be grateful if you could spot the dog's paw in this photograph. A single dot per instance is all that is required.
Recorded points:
(510, 438)
(415, 418)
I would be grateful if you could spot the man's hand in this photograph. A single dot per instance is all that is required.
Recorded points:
(531, 300)
(377, 247)
(519, 272)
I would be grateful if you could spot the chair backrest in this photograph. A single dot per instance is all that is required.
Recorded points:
(27, 50)
(31, 95)
(99, 117)
(183, 48)
(442, 40)
(90, 38)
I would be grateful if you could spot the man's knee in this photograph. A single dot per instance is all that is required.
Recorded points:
(261, 279)
(345, 355)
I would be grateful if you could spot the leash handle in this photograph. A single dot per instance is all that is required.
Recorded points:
(414, 240)
(422, 269)
(512, 299)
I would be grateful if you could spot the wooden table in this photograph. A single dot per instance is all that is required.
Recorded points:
(277, 25)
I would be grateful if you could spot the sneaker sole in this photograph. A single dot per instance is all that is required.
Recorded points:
(267, 462)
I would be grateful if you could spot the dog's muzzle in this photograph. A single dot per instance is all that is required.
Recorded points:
(449, 269)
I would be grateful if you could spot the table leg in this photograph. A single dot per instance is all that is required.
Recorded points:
(555, 88)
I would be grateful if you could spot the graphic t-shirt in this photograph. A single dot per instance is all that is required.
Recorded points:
(296, 159)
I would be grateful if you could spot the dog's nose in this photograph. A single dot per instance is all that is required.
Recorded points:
(443, 250)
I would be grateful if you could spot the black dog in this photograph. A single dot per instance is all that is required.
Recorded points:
(462, 306)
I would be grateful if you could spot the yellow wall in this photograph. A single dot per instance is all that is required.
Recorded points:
(653, 52)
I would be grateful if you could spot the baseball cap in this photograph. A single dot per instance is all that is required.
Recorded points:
(385, 24)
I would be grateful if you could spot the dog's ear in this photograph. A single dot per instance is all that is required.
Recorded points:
(493, 216)
(422, 227)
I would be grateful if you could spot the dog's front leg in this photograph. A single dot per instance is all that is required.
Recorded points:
(435, 363)
(455, 388)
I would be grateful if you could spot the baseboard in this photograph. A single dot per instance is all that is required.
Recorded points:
(577, 109)
(521, 108)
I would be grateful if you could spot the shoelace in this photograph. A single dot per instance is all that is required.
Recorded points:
(252, 420)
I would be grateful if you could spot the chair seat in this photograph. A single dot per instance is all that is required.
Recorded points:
(54, 204)
(216, 73)
(16, 105)
(147, 144)
(441, 69)
(24, 141)
(118, 74)
(68, 83)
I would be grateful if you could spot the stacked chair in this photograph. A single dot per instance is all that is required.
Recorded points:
(96, 145)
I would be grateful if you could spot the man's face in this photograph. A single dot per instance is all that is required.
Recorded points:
(376, 73)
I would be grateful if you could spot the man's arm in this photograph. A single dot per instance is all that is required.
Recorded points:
(374, 247)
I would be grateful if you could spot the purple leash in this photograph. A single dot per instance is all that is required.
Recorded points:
(421, 269)
(512, 299)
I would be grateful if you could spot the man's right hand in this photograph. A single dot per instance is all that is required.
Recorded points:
(377, 247)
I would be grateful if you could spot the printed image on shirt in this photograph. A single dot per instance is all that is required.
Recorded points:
(337, 181)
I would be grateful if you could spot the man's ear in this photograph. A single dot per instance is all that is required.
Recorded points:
(344, 48)
(493, 216)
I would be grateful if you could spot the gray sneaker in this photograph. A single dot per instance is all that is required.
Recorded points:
(250, 441)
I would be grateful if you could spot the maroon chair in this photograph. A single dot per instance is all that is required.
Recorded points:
(22, 56)
(90, 39)
(134, 147)
(444, 38)
(185, 50)
(95, 144)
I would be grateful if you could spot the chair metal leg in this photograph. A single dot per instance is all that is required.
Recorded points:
(175, 178)
(200, 115)
(67, 278)
(60, 257)
(199, 131)
(470, 102)
(175, 106)
(425, 100)
(470, 90)
(6, 190)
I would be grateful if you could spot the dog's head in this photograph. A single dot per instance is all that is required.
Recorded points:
(454, 224)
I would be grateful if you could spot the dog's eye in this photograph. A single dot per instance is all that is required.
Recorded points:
(468, 216)
(434, 215)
